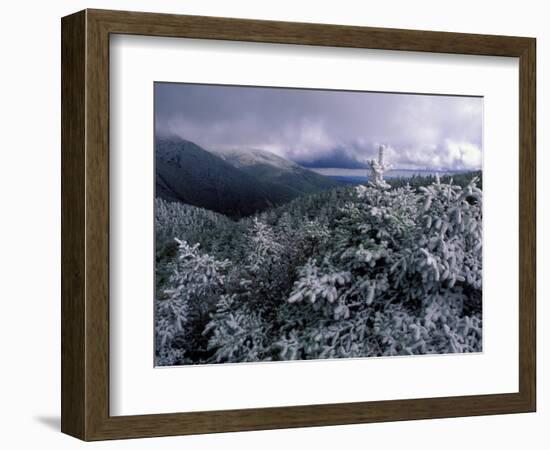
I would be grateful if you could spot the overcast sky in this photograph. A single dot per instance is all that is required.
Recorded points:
(319, 128)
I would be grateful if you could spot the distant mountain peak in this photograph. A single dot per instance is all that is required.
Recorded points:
(245, 157)
(235, 182)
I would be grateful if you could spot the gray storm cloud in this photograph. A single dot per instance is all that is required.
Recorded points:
(320, 128)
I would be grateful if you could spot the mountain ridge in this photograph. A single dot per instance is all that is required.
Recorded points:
(290, 178)
(236, 183)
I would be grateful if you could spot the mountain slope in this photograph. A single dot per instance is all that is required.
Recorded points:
(235, 183)
(187, 173)
(288, 178)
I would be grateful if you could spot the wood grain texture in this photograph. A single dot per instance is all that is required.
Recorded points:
(97, 225)
(85, 224)
(201, 27)
(73, 227)
(527, 224)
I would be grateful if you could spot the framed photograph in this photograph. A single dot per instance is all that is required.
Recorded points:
(273, 225)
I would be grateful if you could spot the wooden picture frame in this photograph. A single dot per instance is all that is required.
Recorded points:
(85, 224)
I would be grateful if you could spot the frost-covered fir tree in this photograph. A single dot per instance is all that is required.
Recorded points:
(195, 286)
(404, 277)
(378, 168)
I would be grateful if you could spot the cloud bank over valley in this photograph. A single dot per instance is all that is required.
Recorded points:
(326, 129)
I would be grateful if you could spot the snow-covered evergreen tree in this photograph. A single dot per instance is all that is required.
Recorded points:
(378, 168)
(195, 285)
